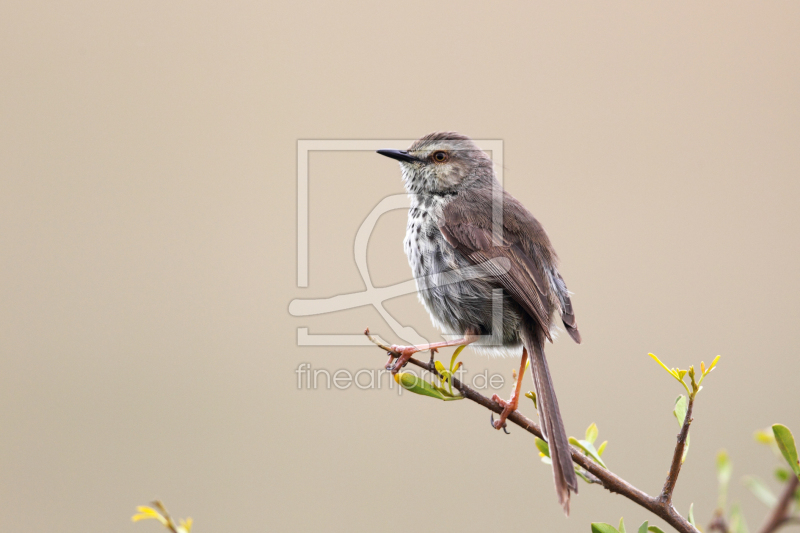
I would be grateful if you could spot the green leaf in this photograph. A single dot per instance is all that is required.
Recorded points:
(602, 448)
(760, 491)
(655, 529)
(417, 385)
(588, 448)
(544, 448)
(602, 527)
(621, 525)
(785, 441)
(781, 474)
(737, 522)
(679, 411)
(643, 527)
(691, 515)
(591, 433)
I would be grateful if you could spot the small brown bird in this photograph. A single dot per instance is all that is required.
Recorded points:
(454, 196)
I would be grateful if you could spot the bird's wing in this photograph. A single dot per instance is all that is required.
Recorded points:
(522, 279)
(567, 314)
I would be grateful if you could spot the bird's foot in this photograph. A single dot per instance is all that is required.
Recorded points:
(508, 408)
(406, 352)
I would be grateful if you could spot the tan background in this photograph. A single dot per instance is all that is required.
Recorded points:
(148, 237)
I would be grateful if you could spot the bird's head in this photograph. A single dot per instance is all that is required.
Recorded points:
(441, 162)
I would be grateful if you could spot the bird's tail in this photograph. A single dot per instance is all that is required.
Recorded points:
(550, 417)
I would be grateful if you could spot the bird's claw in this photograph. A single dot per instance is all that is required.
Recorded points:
(498, 424)
(508, 408)
(403, 354)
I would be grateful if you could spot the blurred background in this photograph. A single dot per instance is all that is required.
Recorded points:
(148, 253)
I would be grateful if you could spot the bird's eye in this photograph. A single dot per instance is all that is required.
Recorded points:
(440, 157)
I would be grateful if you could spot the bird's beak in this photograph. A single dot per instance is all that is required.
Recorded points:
(400, 155)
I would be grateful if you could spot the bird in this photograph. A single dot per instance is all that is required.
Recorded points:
(462, 220)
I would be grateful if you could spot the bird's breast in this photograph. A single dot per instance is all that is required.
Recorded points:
(424, 244)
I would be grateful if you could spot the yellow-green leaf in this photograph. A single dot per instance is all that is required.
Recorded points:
(417, 385)
(764, 436)
(643, 527)
(602, 527)
(543, 447)
(532, 395)
(602, 448)
(672, 372)
(591, 433)
(724, 468)
(147, 513)
(708, 370)
(588, 448)
(669, 370)
(786, 444)
(455, 356)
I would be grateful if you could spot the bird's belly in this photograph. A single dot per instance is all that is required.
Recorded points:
(458, 305)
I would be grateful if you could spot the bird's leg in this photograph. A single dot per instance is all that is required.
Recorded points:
(511, 405)
(406, 352)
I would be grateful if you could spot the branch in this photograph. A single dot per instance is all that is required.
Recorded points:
(608, 479)
(780, 513)
(677, 457)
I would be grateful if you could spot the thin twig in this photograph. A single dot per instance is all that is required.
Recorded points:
(608, 479)
(780, 513)
(677, 457)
